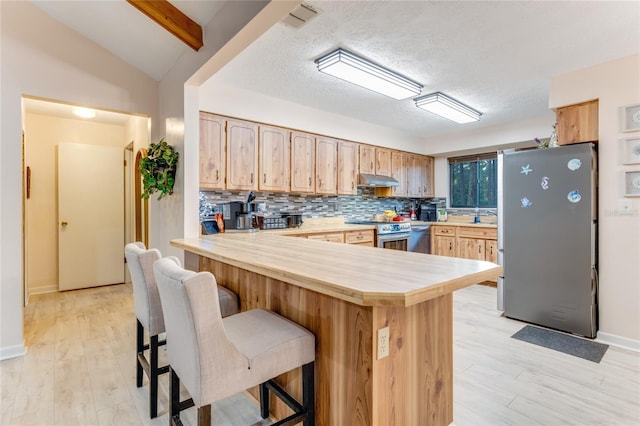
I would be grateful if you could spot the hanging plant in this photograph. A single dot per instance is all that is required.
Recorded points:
(158, 169)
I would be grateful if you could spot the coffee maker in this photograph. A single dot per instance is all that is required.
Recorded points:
(238, 215)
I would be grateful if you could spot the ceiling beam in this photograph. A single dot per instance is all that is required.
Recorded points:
(171, 19)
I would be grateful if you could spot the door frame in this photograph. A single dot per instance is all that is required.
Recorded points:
(141, 206)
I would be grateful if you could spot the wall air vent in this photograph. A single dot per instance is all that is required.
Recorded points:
(300, 15)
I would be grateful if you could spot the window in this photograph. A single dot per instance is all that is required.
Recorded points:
(473, 181)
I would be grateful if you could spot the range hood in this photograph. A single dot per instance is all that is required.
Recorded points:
(377, 180)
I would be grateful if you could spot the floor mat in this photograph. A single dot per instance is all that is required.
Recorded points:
(586, 349)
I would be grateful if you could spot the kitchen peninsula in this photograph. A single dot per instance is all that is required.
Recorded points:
(344, 294)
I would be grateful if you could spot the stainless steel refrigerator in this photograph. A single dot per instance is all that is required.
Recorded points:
(547, 237)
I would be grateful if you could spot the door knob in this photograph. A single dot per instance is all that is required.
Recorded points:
(64, 223)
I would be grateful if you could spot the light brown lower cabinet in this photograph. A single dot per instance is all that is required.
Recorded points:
(444, 245)
(364, 237)
(491, 251)
(443, 240)
(334, 237)
(470, 248)
(468, 242)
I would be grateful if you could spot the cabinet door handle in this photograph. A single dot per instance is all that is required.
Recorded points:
(309, 180)
(352, 185)
(371, 165)
(378, 164)
(251, 177)
(450, 246)
(479, 248)
(491, 250)
(217, 174)
(264, 179)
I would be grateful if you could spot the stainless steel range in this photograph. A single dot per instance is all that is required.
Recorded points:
(391, 235)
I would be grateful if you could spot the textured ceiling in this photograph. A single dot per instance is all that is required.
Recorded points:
(497, 57)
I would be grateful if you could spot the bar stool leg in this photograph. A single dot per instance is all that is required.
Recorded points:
(264, 401)
(139, 350)
(308, 393)
(153, 377)
(174, 396)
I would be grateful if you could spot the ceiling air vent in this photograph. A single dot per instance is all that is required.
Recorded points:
(300, 15)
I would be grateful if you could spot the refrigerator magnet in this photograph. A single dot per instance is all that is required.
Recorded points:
(574, 164)
(545, 183)
(525, 203)
(574, 197)
(526, 170)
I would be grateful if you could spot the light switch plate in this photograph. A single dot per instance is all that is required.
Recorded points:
(625, 206)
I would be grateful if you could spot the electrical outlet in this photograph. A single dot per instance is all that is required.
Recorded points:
(383, 342)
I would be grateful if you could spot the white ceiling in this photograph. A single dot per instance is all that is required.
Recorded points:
(496, 56)
(64, 110)
(128, 33)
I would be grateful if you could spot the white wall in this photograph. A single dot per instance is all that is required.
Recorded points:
(513, 135)
(42, 135)
(249, 105)
(167, 217)
(615, 84)
(43, 58)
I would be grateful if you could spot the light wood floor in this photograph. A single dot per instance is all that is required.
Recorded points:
(79, 370)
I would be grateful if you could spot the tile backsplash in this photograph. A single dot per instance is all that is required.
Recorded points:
(471, 212)
(363, 206)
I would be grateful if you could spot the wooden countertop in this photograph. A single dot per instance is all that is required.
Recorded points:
(475, 225)
(366, 276)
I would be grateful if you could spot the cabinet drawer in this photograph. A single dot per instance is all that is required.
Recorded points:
(444, 230)
(477, 232)
(359, 237)
(337, 237)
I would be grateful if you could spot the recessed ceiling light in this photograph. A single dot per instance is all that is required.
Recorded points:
(84, 112)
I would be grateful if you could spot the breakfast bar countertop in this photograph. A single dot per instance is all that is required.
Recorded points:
(366, 276)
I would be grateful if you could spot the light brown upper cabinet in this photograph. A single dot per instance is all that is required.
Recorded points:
(414, 175)
(367, 159)
(399, 172)
(383, 161)
(326, 165)
(274, 159)
(303, 162)
(348, 168)
(427, 177)
(242, 155)
(212, 151)
(577, 123)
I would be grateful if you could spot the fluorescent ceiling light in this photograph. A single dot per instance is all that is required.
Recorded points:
(84, 112)
(444, 106)
(356, 70)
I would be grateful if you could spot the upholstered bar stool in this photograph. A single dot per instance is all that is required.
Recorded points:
(216, 358)
(148, 310)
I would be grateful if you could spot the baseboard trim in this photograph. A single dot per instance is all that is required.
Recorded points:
(43, 290)
(615, 340)
(12, 352)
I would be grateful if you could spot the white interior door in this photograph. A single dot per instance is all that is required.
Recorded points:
(90, 216)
